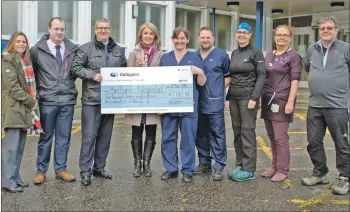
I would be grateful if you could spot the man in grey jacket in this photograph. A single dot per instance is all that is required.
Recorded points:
(328, 65)
(52, 57)
(96, 127)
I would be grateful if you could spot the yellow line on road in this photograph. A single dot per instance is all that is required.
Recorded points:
(77, 128)
(300, 116)
(315, 200)
(336, 202)
(292, 148)
(264, 147)
(297, 133)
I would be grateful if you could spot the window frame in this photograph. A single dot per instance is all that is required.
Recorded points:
(19, 19)
(188, 8)
(120, 43)
(163, 7)
(224, 13)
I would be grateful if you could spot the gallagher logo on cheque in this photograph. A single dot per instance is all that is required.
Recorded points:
(115, 74)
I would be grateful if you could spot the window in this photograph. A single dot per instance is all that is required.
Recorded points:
(252, 23)
(114, 12)
(302, 21)
(65, 11)
(62, 9)
(191, 21)
(277, 22)
(46, 12)
(9, 17)
(152, 13)
(222, 31)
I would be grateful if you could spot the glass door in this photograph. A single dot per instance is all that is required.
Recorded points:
(303, 37)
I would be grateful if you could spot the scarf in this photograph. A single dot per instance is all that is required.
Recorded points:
(30, 79)
(149, 52)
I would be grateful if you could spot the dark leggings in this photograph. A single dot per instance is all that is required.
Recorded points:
(137, 132)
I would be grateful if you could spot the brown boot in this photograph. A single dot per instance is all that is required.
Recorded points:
(65, 176)
(39, 179)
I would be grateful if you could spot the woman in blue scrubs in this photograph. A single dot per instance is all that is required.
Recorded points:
(186, 122)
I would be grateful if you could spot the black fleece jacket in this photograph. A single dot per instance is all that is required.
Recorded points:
(248, 73)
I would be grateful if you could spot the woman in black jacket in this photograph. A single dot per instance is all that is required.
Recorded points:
(247, 72)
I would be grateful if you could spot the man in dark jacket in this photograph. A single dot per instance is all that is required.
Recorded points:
(52, 57)
(96, 127)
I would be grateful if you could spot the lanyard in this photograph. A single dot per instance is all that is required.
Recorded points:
(274, 55)
(270, 65)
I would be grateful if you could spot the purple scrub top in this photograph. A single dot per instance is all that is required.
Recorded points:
(280, 71)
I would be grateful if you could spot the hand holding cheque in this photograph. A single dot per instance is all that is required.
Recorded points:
(98, 77)
(147, 89)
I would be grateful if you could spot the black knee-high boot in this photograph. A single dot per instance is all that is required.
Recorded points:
(149, 148)
(147, 155)
(137, 151)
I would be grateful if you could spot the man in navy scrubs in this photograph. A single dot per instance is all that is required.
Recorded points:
(211, 137)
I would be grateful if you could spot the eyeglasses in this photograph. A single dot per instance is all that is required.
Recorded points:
(328, 28)
(242, 32)
(282, 35)
(103, 28)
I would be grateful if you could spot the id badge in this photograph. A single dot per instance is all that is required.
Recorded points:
(275, 108)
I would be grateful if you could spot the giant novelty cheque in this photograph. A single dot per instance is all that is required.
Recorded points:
(166, 89)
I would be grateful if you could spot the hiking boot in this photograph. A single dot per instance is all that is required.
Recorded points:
(65, 176)
(342, 187)
(39, 179)
(311, 181)
(218, 175)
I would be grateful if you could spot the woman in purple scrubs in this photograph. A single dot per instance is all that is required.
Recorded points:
(283, 70)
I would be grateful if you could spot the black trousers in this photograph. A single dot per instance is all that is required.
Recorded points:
(336, 119)
(243, 125)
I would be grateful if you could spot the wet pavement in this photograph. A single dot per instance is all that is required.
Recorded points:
(126, 193)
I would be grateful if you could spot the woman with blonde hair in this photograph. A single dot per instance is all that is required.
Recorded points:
(147, 53)
(19, 106)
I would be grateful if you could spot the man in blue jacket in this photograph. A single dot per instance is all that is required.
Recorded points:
(328, 65)
(211, 134)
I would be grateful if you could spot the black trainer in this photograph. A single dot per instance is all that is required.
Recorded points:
(168, 175)
(187, 178)
(201, 169)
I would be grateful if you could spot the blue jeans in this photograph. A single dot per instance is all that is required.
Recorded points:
(55, 120)
(12, 148)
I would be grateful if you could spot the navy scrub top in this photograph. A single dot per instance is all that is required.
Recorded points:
(212, 94)
(189, 59)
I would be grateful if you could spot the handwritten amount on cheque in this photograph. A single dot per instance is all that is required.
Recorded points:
(174, 94)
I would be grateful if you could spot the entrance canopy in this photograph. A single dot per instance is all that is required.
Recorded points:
(275, 9)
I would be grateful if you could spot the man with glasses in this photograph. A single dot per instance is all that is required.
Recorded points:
(96, 127)
(328, 65)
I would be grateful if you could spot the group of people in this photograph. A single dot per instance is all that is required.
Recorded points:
(53, 64)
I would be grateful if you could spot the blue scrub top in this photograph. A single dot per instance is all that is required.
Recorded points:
(189, 59)
(212, 94)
